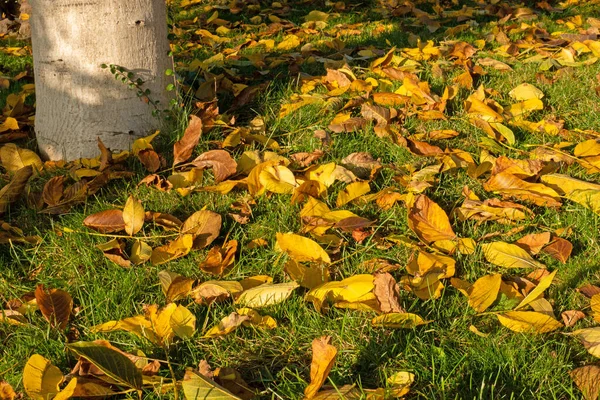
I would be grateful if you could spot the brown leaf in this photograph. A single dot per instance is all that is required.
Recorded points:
(534, 242)
(106, 158)
(167, 221)
(560, 249)
(571, 317)
(220, 161)
(204, 226)
(386, 292)
(183, 149)
(149, 159)
(322, 362)
(220, 258)
(305, 159)
(589, 290)
(362, 164)
(13, 190)
(55, 305)
(158, 182)
(53, 190)
(114, 251)
(108, 221)
(349, 125)
(587, 379)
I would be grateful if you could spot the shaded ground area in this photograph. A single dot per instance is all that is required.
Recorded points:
(423, 91)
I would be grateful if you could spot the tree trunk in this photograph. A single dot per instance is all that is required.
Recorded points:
(77, 100)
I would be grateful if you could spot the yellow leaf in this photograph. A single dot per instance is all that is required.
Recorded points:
(353, 289)
(528, 322)
(158, 326)
(595, 306)
(172, 250)
(525, 92)
(256, 319)
(40, 378)
(307, 277)
(565, 184)
(183, 322)
(589, 198)
(509, 256)
(429, 221)
(267, 294)
(484, 292)
(226, 325)
(322, 362)
(14, 158)
(351, 192)
(590, 337)
(544, 284)
(399, 320)
(316, 15)
(301, 248)
(133, 216)
(290, 42)
(143, 143)
(140, 252)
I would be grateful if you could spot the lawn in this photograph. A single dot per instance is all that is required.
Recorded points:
(431, 97)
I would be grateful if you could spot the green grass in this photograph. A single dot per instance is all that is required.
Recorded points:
(448, 360)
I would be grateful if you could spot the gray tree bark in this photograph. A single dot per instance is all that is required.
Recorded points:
(76, 100)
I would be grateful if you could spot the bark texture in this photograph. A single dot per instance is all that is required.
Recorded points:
(77, 100)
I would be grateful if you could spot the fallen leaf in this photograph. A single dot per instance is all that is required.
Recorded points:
(184, 147)
(204, 227)
(196, 387)
(323, 358)
(108, 221)
(14, 158)
(55, 304)
(301, 248)
(528, 322)
(398, 321)
(429, 221)
(386, 291)
(509, 256)
(133, 216)
(587, 379)
(266, 294)
(14, 189)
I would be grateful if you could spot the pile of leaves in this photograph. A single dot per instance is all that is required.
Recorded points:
(514, 160)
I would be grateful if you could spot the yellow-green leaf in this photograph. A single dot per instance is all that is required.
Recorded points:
(544, 284)
(267, 294)
(399, 320)
(509, 256)
(528, 322)
(133, 216)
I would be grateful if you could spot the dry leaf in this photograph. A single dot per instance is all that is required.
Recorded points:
(322, 362)
(509, 256)
(55, 305)
(386, 292)
(429, 221)
(108, 221)
(183, 149)
(587, 379)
